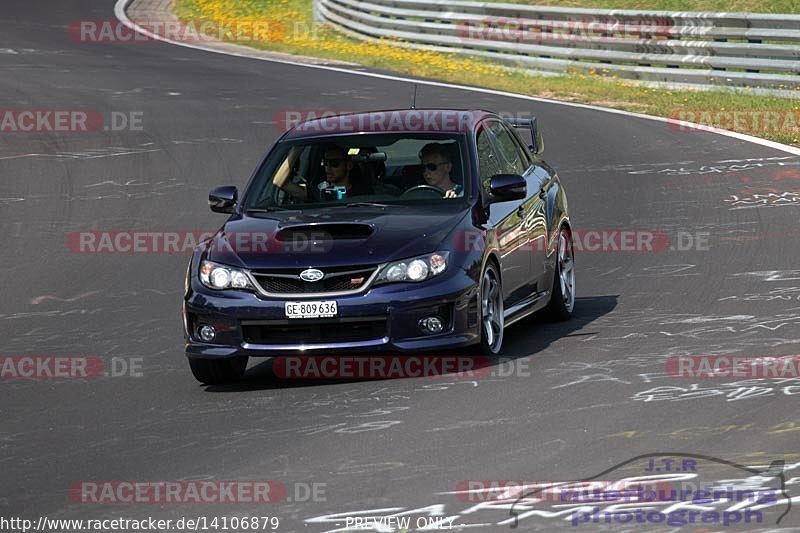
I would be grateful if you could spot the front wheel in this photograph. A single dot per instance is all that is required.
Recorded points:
(216, 371)
(562, 298)
(491, 310)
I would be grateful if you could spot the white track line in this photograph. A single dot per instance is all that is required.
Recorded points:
(121, 6)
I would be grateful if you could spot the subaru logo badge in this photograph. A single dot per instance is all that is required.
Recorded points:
(311, 274)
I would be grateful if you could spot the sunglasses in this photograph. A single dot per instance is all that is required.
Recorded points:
(433, 166)
(333, 163)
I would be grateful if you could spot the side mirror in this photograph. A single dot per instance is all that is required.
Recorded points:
(506, 187)
(223, 199)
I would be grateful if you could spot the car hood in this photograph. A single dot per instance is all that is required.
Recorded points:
(331, 238)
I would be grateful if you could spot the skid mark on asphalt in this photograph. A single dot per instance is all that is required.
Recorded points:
(770, 199)
(735, 391)
(783, 294)
(773, 275)
(689, 168)
(39, 299)
(97, 153)
(223, 140)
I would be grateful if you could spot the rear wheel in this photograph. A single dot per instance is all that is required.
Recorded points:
(491, 310)
(216, 371)
(562, 299)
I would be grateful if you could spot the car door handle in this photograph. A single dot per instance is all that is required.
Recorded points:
(521, 210)
(542, 193)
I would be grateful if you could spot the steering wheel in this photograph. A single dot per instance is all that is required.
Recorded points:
(430, 188)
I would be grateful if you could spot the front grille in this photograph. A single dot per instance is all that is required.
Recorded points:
(335, 280)
(304, 331)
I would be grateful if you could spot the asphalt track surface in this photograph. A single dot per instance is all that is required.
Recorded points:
(572, 405)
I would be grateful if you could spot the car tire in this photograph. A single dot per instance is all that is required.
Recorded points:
(217, 371)
(562, 297)
(490, 310)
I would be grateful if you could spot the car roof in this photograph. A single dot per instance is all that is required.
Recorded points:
(458, 121)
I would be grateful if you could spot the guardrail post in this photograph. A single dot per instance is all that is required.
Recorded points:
(316, 14)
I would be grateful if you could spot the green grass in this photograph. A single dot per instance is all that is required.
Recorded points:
(755, 6)
(590, 89)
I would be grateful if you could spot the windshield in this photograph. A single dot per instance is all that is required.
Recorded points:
(385, 169)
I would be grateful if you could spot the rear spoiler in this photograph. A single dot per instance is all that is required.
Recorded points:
(536, 134)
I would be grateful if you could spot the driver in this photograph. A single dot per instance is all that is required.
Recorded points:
(436, 167)
(339, 174)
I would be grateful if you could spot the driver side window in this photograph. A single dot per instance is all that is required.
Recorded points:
(488, 161)
(299, 175)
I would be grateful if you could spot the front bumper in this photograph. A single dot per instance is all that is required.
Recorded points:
(382, 319)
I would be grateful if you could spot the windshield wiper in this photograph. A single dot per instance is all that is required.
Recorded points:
(309, 207)
(369, 204)
(268, 209)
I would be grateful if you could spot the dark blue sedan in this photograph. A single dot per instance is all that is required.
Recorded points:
(388, 231)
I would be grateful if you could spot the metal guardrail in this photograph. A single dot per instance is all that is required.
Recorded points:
(710, 49)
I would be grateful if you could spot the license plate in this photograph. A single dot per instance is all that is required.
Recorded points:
(311, 309)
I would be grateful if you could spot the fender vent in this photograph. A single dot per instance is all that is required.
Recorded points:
(472, 313)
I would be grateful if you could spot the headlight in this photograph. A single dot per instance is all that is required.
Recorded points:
(219, 277)
(414, 269)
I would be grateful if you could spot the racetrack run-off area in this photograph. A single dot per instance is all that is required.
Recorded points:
(595, 397)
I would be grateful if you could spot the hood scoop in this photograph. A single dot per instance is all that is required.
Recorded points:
(324, 232)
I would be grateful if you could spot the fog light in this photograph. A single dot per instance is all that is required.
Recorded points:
(207, 333)
(431, 324)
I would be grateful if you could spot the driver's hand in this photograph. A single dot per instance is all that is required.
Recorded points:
(450, 194)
